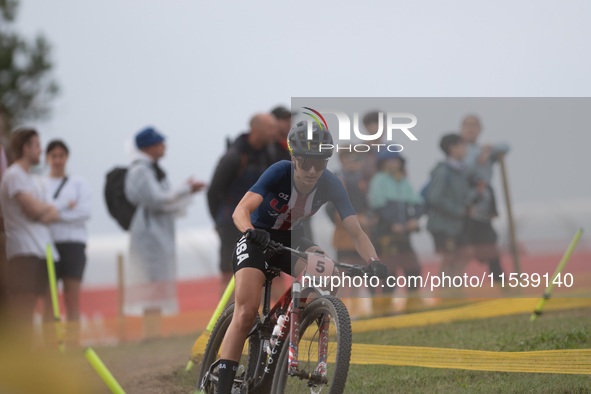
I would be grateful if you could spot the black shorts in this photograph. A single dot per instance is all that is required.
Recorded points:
(480, 233)
(483, 237)
(249, 255)
(448, 243)
(229, 235)
(72, 260)
(27, 275)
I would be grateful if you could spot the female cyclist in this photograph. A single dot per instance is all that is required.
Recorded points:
(273, 209)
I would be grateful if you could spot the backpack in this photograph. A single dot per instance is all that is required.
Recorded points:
(425, 191)
(119, 206)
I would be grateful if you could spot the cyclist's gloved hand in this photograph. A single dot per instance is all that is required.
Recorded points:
(376, 268)
(356, 270)
(258, 237)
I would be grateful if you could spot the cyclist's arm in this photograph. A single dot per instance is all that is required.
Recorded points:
(340, 199)
(361, 241)
(241, 216)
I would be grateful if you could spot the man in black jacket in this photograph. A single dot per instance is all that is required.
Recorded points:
(283, 116)
(238, 170)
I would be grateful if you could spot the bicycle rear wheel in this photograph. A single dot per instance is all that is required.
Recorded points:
(248, 360)
(328, 312)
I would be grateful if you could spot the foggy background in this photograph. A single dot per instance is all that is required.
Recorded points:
(198, 71)
(548, 155)
(549, 138)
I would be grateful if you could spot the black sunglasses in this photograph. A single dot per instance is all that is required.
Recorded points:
(307, 163)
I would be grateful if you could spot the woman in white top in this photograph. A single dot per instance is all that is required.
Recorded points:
(72, 198)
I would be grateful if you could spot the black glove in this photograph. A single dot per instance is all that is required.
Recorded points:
(258, 237)
(356, 270)
(376, 268)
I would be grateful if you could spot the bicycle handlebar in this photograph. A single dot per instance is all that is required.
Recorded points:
(351, 269)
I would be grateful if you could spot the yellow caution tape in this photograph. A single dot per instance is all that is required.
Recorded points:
(577, 361)
(479, 310)
(572, 361)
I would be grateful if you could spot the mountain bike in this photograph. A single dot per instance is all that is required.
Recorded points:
(301, 344)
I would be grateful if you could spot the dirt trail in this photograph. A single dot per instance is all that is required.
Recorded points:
(150, 367)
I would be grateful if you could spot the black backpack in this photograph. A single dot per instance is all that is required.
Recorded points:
(119, 206)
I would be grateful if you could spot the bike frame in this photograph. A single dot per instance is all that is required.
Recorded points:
(290, 302)
(290, 305)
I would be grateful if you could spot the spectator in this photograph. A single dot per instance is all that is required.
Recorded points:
(479, 160)
(3, 262)
(351, 175)
(237, 171)
(72, 198)
(398, 208)
(371, 121)
(283, 117)
(447, 196)
(27, 235)
(152, 273)
(481, 235)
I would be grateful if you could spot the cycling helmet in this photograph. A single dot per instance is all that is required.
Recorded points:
(299, 145)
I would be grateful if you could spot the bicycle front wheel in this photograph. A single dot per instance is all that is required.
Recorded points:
(207, 380)
(324, 350)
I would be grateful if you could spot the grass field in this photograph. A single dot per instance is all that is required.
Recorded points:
(554, 330)
(158, 366)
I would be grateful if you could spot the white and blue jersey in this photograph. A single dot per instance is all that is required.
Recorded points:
(284, 208)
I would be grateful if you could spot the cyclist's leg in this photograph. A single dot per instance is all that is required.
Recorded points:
(302, 243)
(248, 298)
(299, 265)
(249, 266)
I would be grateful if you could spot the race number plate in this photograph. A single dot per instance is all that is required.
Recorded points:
(319, 265)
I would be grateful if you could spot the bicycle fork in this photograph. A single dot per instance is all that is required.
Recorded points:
(324, 326)
(318, 376)
(294, 332)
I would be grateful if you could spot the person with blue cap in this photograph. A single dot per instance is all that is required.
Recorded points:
(151, 282)
(398, 208)
(148, 137)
